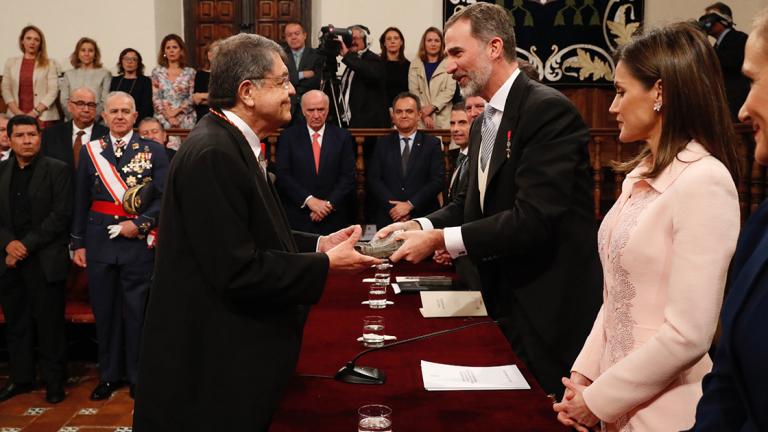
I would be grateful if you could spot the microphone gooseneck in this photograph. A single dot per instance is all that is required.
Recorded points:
(353, 374)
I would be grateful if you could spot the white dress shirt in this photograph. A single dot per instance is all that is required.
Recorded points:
(126, 139)
(454, 242)
(87, 132)
(250, 135)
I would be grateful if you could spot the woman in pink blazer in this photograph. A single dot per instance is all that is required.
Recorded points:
(665, 245)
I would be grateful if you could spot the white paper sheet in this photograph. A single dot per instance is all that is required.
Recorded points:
(442, 377)
(437, 304)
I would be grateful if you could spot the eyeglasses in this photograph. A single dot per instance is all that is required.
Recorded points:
(81, 104)
(282, 81)
(131, 59)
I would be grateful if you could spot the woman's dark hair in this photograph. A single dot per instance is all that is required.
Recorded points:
(162, 61)
(123, 53)
(382, 43)
(694, 107)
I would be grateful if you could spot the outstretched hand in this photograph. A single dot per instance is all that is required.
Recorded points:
(418, 245)
(344, 258)
(330, 241)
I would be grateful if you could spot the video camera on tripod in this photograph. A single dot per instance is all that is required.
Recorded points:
(330, 48)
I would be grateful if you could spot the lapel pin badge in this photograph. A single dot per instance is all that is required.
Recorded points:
(509, 144)
(135, 146)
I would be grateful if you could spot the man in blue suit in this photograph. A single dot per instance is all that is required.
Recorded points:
(406, 171)
(735, 396)
(112, 232)
(315, 170)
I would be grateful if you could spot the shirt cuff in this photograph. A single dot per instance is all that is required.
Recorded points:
(454, 242)
(301, 74)
(306, 200)
(426, 224)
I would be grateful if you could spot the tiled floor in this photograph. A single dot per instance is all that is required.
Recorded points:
(30, 413)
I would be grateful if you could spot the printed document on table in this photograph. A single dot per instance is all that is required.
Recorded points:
(436, 304)
(442, 377)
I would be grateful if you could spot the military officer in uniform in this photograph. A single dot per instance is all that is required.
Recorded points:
(118, 186)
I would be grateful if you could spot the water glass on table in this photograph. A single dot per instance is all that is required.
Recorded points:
(373, 331)
(377, 295)
(382, 272)
(374, 418)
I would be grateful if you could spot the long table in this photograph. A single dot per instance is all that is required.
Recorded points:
(315, 402)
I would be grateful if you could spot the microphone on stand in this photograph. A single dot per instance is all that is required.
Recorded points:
(353, 374)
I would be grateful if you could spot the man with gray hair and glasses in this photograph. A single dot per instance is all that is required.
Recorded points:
(233, 284)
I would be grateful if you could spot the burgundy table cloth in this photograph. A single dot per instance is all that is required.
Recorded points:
(322, 404)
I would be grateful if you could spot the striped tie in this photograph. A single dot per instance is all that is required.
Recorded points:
(488, 136)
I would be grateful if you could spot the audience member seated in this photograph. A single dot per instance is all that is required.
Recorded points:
(87, 72)
(396, 66)
(131, 79)
(304, 66)
(5, 143)
(172, 86)
(665, 245)
(429, 80)
(150, 128)
(475, 105)
(30, 82)
(735, 397)
(34, 223)
(64, 140)
(316, 170)
(202, 76)
(363, 97)
(405, 173)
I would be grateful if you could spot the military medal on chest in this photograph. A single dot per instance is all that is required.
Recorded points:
(141, 162)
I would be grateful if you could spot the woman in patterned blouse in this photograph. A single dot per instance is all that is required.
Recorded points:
(172, 86)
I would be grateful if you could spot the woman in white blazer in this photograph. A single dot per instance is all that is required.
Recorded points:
(428, 79)
(30, 82)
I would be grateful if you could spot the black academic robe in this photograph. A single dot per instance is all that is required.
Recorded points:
(230, 295)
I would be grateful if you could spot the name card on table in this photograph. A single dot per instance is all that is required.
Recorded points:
(440, 304)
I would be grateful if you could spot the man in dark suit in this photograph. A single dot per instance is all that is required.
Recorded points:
(459, 123)
(363, 97)
(35, 212)
(118, 186)
(5, 143)
(316, 170)
(231, 292)
(64, 140)
(405, 173)
(729, 46)
(734, 396)
(526, 216)
(303, 64)
(150, 128)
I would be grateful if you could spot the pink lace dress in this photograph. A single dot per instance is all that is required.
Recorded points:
(665, 247)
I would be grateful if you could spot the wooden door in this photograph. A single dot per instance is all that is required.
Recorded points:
(208, 20)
